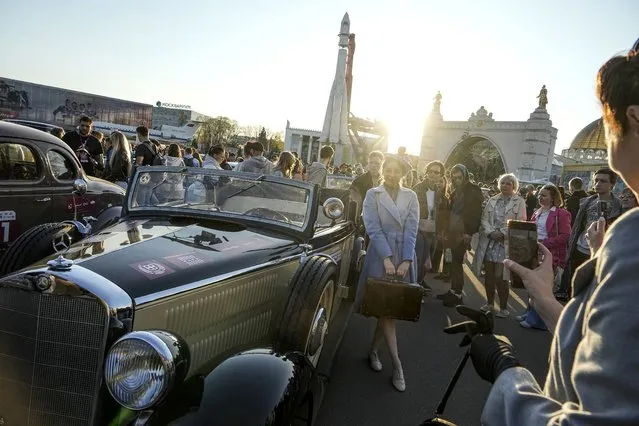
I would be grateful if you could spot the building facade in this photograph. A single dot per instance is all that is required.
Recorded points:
(491, 147)
(62, 107)
(307, 144)
(587, 153)
(176, 117)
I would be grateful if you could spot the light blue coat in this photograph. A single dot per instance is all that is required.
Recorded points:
(392, 228)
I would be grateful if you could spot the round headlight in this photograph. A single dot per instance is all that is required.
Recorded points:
(139, 370)
(333, 208)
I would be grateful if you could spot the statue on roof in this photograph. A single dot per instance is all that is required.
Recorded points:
(438, 102)
(543, 97)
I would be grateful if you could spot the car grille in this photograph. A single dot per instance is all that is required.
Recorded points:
(51, 354)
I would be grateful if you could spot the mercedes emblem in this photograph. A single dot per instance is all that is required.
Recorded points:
(43, 283)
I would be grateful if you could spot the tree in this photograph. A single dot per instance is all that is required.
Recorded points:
(251, 132)
(215, 131)
(261, 138)
(276, 143)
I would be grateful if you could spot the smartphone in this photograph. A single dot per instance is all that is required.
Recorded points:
(602, 210)
(522, 246)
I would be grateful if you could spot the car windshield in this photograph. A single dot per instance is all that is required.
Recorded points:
(220, 193)
(339, 181)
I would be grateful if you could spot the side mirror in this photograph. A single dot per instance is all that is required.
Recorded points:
(333, 208)
(79, 187)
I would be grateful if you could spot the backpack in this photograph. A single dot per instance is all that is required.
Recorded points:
(188, 162)
(158, 158)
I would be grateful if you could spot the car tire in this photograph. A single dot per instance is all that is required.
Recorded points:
(309, 306)
(33, 245)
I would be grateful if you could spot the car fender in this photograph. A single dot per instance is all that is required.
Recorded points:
(256, 387)
(106, 218)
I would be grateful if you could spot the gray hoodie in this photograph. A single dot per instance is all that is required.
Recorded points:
(255, 165)
(317, 173)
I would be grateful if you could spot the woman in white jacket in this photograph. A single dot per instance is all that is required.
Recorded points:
(172, 187)
(493, 242)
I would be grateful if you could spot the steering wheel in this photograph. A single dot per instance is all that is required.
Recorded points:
(267, 214)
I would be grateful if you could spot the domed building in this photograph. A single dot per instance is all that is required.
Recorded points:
(587, 153)
(589, 146)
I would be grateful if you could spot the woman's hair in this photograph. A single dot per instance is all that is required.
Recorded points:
(617, 89)
(436, 164)
(174, 150)
(511, 178)
(286, 163)
(401, 163)
(557, 199)
(120, 144)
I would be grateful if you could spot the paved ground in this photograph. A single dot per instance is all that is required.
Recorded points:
(358, 396)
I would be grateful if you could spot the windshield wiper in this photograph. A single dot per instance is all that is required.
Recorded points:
(258, 181)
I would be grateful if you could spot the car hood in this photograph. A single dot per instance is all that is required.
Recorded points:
(149, 256)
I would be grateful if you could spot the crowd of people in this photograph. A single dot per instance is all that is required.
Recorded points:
(583, 291)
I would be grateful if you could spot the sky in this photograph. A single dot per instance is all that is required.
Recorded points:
(265, 62)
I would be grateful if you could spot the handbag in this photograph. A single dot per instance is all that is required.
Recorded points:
(390, 298)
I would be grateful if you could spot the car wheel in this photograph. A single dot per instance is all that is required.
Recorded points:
(33, 245)
(307, 315)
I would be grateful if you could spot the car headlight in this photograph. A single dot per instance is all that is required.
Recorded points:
(141, 367)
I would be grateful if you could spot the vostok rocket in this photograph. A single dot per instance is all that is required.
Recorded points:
(335, 129)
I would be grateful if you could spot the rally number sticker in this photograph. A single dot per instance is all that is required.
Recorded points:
(6, 217)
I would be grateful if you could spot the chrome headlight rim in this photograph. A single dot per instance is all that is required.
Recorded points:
(333, 208)
(159, 345)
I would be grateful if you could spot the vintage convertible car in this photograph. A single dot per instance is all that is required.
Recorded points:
(214, 298)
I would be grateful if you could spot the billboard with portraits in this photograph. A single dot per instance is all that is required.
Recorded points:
(36, 102)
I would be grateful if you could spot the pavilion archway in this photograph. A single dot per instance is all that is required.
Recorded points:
(481, 157)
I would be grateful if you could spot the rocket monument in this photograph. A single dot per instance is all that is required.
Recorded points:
(335, 129)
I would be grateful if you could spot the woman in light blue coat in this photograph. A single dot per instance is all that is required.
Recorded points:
(391, 215)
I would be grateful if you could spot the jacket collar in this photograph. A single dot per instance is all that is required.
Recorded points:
(394, 208)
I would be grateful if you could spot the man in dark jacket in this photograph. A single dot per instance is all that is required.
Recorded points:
(602, 203)
(464, 220)
(576, 187)
(433, 209)
(368, 180)
(87, 147)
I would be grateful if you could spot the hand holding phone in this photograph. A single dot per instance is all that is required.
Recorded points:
(602, 210)
(522, 246)
(595, 234)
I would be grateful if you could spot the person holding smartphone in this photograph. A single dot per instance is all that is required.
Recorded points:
(602, 203)
(594, 360)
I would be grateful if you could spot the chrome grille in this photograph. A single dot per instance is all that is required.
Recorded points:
(51, 353)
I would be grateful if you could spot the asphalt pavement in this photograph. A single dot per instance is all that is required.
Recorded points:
(358, 396)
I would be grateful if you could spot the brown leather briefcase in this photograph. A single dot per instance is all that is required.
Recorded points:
(389, 298)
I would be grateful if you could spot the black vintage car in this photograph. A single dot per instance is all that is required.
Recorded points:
(37, 175)
(217, 298)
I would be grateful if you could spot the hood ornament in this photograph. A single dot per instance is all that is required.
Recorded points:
(60, 263)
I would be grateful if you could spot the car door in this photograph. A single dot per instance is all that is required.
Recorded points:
(24, 197)
(64, 170)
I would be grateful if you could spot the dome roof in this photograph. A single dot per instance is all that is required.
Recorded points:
(590, 137)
